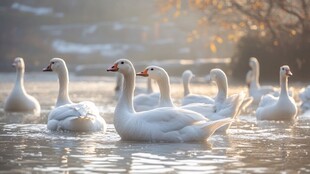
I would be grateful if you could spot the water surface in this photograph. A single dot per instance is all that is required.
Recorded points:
(250, 146)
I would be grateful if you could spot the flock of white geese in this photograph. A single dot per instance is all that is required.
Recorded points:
(152, 116)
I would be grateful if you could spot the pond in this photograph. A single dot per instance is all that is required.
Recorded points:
(250, 146)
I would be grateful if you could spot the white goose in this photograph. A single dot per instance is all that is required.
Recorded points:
(192, 98)
(83, 116)
(224, 108)
(166, 124)
(255, 89)
(278, 108)
(19, 100)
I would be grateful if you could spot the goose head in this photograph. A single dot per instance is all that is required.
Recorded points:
(153, 72)
(187, 75)
(248, 78)
(18, 63)
(285, 71)
(56, 65)
(215, 75)
(253, 62)
(123, 66)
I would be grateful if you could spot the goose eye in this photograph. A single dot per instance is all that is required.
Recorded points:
(53, 62)
(122, 62)
(152, 69)
(283, 69)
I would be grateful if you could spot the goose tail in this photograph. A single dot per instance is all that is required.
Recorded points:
(211, 126)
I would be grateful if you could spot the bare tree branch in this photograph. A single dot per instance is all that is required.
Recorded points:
(244, 11)
(269, 9)
(294, 13)
(258, 18)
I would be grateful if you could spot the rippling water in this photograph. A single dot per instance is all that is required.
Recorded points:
(250, 146)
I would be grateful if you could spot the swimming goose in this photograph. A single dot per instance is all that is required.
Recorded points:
(18, 100)
(66, 115)
(255, 89)
(188, 96)
(167, 124)
(222, 108)
(278, 108)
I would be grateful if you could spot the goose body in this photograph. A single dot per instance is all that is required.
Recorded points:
(66, 115)
(18, 100)
(278, 108)
(222, 108)
(188, 96)
(167, 124)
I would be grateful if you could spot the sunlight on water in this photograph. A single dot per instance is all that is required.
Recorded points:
(250, 146)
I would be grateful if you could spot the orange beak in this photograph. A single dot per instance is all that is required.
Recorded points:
(289, 73)
(143, 73)
(113, 68)
(48, 68)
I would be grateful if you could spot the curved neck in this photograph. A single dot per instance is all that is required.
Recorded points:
(19, 82)
(125, 102)
(186, 86)
(256, 75)
(253, 84)
(63, 93)
(165, 95)
(149, 86)
(222, 86)
(284, 86)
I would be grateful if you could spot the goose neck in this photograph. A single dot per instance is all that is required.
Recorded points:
(284, 86)
(222, 89)
(165, 95)
(125, 102)
(256, 75)
(186, 87)
(63, 94)
(19, 82)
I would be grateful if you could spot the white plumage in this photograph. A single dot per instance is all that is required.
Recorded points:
(278, 108)
(167, 124)
(222, 108)
(18, 100)
(83, 116)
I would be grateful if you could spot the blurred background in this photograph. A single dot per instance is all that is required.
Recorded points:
(176, 34)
